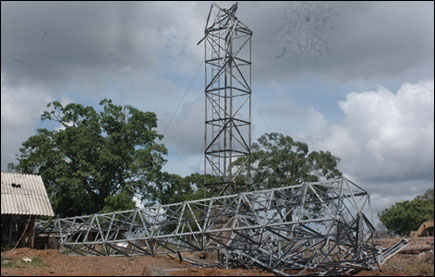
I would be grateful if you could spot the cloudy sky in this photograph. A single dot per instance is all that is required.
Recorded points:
(353, 78)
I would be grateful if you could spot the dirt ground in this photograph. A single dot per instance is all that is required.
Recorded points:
(415, 260)
(53, 263)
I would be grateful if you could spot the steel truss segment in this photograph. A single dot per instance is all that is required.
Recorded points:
(320, 228)
(227, 43)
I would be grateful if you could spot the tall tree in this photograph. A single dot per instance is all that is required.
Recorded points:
(278, 160)
(93, 155)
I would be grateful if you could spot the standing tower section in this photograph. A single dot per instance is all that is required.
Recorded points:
(227, 49)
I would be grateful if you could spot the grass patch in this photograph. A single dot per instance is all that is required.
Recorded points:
(6, 262)
(12, 263)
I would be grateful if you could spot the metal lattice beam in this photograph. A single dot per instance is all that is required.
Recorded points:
(318, 227)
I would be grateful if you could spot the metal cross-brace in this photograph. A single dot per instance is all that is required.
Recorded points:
(310, 228)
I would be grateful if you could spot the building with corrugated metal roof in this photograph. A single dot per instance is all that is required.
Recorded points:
(23, 197)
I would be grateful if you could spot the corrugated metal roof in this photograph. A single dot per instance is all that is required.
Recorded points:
(24, 194)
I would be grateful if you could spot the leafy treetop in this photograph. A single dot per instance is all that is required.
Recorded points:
(278, 160)
(93, 155)
(404, 217)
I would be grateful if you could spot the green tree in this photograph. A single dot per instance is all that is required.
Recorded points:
(427, 196)
(119, 202)
(404, 217)
(93, 155)
(166, 188)
(278, 160)
(172, 188)
(197, 180)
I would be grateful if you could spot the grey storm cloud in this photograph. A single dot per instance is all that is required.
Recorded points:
(57, 41)
(54, 41)
(342, 40)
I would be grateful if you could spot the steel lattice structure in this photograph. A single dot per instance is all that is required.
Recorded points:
(319, 228)
(227, 48)
(307, 229)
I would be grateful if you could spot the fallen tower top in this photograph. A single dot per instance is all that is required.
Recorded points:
(310, 228)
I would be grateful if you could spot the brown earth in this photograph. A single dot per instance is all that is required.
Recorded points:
(56, 263)
(220, 272)
(52, 262)
(417, 259)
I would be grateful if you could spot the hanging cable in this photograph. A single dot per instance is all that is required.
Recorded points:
(182, 99)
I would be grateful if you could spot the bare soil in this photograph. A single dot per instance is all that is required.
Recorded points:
(57, 263)
(52, 262)
(417, 259)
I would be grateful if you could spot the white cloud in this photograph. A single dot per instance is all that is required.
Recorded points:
(19, 105)
(386, 135)
(316, 122)
(386, 143)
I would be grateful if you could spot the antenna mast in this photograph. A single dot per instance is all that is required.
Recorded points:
(227, 50)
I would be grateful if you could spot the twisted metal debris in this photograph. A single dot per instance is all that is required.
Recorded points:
(310, 228)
